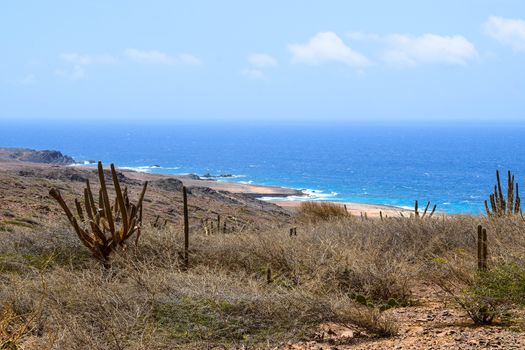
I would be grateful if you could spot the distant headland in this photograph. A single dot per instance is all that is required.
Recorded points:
(34, 156)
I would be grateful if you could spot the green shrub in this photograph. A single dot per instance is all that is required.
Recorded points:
(488, 294)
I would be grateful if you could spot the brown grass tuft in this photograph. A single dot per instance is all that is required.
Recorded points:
(314, 212)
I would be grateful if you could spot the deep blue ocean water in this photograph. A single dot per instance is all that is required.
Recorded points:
(450, 165)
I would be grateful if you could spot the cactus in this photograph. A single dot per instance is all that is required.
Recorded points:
(205, 224)
(499, 206)
(482, 248)
(104, 228)
(186, 227)
(156, 223)
(416, 210)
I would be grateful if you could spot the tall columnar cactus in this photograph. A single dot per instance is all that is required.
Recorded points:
(105, 227)
(416, 210)
(482, 248)
(186, 227)
(499, 206)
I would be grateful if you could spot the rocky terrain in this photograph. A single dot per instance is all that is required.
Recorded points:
(30, 155)
(24, 188)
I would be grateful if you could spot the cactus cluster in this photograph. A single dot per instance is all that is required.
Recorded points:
(417, 213)
(501, 206)
(102, 226)
(228, 224)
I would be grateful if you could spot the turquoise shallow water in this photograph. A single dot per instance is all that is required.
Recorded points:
(450, 165)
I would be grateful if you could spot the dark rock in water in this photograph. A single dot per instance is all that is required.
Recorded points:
(29, 155)
(193, 177)
(155, 166)
(208, 175)
(168, 184)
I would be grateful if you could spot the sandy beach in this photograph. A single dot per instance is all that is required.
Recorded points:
(371, 210)
(257, 191)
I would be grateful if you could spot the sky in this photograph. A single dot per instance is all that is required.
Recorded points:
(96, 60)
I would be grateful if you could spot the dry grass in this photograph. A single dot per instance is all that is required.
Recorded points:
(147, 301)
(314, 212)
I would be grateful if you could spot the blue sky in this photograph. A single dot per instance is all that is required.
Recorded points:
(265, 60)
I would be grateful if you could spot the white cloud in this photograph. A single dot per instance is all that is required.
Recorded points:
(326, 47)
(510, 32)
(262, 60)
(157, 57)
(85, 60)
(408, 50)
(77, 72)
(79, 62)
(255, 74)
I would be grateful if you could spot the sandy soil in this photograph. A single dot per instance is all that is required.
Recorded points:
(371, 210)
(432, 324)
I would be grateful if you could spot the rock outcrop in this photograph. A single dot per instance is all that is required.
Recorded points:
(34, 156)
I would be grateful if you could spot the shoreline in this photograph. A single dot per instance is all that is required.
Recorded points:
(259, 192)
(284, 197)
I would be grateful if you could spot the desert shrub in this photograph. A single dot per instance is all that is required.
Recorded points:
(503, 283)
(375, 320)
(249, 316)
(18, 320)
(494, 292)
(379, 283)
(485, 295)
(24, 250)
(320, 211)
(346, 271)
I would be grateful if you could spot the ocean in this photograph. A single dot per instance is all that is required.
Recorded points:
(452, 166)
